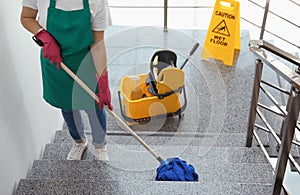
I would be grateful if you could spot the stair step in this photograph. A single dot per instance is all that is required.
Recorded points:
(208, 172)
(170, 124)
(160, 138)
(135, 187)
(293, 168)
(136, 153)
(273, 152)
(189, 121)
(269, 141)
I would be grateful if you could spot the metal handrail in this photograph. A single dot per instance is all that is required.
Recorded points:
(282, 113)
(267, 130)
(265, 53)
(287, 73)
(263, 26)
(291, 76)
(166, 6)
(295, 3)
(160, 6)
(276, 87)
(268, 158)
(275, 14)
(279, 52)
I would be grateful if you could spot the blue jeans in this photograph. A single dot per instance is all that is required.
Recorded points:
(97, 119)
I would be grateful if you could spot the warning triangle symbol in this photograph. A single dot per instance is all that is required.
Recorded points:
(221, 29)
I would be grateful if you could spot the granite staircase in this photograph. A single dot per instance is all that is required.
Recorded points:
(226, 168)
(211, 135)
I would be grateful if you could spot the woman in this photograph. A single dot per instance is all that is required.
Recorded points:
(73, 32)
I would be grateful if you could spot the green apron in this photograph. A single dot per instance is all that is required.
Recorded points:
(73, 32)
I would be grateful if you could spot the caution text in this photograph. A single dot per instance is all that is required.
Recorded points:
(225, 15)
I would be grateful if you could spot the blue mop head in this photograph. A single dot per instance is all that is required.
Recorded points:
(175, 169)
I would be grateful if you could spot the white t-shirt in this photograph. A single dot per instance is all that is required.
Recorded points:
(100, 14)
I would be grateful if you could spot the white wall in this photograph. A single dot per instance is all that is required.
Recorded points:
(27, 123)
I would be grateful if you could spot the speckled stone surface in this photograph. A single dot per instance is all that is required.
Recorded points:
(218, 96)
(209, 139)
(136, 153)
(208, 172)
(211, 135)
(96, 187)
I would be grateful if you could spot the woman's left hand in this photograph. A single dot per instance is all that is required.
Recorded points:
(104, 92)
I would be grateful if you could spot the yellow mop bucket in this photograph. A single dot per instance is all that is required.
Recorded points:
(142, 97)
(138, 105)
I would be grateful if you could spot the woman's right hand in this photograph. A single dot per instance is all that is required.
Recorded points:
(51, 49)
(104, 92)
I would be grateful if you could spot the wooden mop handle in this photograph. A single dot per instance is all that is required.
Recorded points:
(124, 125)
(80, 82)
(127, 128)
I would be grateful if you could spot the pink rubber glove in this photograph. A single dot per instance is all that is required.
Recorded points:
(50, 47)
(104, 92)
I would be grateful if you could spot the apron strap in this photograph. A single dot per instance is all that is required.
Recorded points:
(86, 4)
(52, 3)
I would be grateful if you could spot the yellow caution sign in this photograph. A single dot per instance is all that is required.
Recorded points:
(223, 35)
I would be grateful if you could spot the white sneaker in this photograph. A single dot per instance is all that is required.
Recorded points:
(101, 154)
(77, 150)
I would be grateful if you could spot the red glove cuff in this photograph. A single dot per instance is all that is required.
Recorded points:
(104, 91)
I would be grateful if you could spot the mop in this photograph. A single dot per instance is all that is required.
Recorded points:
(171, 169)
